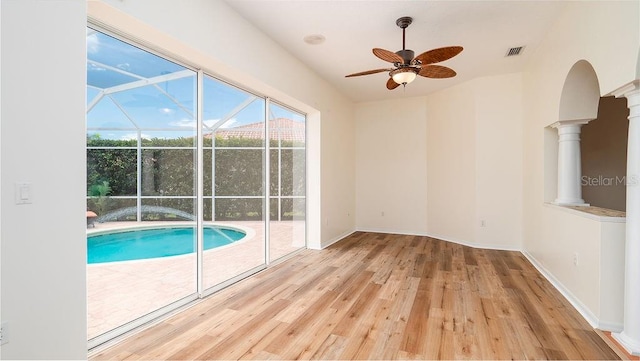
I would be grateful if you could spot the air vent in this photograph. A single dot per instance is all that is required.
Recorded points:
(515, 51)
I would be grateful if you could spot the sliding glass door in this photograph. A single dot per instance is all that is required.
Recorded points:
(287, 181)
(186, 193)
(141, 183)
(233, 128)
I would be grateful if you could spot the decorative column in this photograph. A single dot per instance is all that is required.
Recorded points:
(569, 162)
(630, 335)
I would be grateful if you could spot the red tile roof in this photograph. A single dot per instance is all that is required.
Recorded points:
(287, 129)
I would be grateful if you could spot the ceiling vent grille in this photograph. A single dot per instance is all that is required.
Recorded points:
(515, 51)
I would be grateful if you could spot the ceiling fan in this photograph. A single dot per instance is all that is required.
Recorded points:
(406, 67)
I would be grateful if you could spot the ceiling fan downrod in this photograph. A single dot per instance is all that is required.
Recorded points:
(406, 55)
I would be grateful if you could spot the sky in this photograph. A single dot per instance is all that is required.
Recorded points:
(130, 89)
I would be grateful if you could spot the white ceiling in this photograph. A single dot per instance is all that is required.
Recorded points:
(486, 30)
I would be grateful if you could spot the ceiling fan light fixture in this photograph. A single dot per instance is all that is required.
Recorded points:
(403, 75)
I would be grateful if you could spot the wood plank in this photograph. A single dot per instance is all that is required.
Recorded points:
(293, 339)
(330, 349)
(378, 296)
(366, 333)
(245, 335)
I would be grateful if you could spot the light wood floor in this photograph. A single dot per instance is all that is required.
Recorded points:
(378, 296)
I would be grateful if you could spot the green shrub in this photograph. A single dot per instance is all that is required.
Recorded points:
(170, 172)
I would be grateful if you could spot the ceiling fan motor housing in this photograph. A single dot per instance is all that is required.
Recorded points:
(406, 55)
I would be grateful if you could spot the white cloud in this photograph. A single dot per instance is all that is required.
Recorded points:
(229, 123)
(93, 44)
(94, 67)
(210, 122)
(184, 123)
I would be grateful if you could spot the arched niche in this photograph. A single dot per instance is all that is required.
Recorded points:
(578, 105)
(580, 93)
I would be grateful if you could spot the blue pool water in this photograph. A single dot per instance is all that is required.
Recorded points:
(154, 243)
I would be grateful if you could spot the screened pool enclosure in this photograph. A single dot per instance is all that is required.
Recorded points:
(170, 146)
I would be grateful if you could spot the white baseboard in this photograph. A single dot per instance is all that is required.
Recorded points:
(609, 326)
(324, 245)
(390, 231)
(629, 344)
(573, 300)
(460, 242)
(497, 247)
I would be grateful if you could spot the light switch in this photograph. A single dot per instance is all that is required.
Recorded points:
(23, 193)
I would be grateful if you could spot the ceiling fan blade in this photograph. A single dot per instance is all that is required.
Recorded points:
(392, 84)
(437, 71)
(387, 55)
(367, 72)
(438, 55)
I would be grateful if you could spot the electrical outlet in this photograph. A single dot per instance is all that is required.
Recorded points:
(483, 223)
(382, 214)
(575, 259)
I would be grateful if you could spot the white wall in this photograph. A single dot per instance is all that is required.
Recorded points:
(391, 166)
(475, 162)
(43, 243)
(440, 164)
(451, 159)
(211, 35)
(499, 121)
(612, 250)
(595, 285)
(606, 35)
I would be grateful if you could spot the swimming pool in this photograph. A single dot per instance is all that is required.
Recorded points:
(154, 243)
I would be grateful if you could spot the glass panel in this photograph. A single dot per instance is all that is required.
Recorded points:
(111, 209)
(106, 114)
(208, 209)
(137, 99)
(168, 209)
(238, 172)
(168, 172)
(292, 209)
(247, 252)
(233, 132)
(150, 107)
(288, 179)
(230, 106)
(112, 62)
(233, 117)
(111, 172)
(287, 127)
(292, 176)
(275, 172)
(208, 173)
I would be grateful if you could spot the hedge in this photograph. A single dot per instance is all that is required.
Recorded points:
(170, 172)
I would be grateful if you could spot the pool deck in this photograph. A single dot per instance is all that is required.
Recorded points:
(119, 292)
